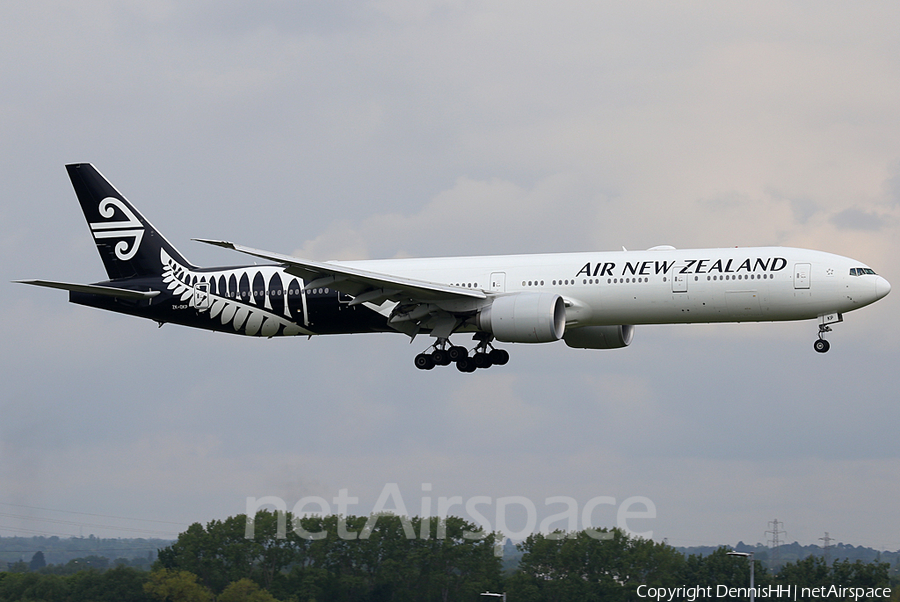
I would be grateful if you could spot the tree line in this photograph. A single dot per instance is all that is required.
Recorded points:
(390, 558)
(138, 552)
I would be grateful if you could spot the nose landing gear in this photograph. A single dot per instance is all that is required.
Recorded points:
(443, 354)
(821, 345)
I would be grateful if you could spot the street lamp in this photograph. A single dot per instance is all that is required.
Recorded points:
(752, 564)
(503, 595)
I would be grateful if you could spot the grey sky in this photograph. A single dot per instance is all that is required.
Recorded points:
(339, 130)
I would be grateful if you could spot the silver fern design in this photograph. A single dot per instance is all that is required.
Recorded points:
(227, 295)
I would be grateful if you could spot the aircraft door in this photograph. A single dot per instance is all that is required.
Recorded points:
(498, 282)
(201, 295)
(679, 281)
(801, 275)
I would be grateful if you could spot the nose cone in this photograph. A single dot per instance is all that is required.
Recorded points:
(882, 288)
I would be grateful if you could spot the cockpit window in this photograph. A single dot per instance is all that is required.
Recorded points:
(862, 271)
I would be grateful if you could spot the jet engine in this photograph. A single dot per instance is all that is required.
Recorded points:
(600, 337)
(525, 318)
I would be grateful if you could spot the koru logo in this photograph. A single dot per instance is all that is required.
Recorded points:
(130, 228)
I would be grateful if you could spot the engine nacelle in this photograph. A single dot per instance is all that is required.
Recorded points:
(600, 337)
(525, 318)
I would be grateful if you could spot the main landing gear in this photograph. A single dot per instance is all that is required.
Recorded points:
(443, 354)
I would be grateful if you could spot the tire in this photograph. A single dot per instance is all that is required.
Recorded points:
(457, 353)
(424, 362)
(821, 345)
(499, 357)
(482, 360)
(440, 357)
(465, 365)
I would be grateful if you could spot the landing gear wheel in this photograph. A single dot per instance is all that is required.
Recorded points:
(466, 364)
(424, 361)
(441, 357)
(821, 345)
(499, 357)
(482, 360)
(457, 353)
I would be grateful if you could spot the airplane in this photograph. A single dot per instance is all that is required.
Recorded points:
(589, 300)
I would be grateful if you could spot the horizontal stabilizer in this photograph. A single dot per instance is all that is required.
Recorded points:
(93, 289)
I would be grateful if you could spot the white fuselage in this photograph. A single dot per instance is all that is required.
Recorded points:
(663, 285)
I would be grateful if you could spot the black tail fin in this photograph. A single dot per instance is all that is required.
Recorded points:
(129, 245)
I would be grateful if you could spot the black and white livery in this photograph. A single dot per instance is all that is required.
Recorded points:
(588, 300)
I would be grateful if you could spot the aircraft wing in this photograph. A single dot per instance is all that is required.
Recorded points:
(363, 285)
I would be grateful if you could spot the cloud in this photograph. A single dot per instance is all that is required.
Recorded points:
(472, 217)
(858, 219)
(892, 186)
(346, 130)
(503, 414)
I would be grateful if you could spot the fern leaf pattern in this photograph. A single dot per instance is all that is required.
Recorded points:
(229, 298)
